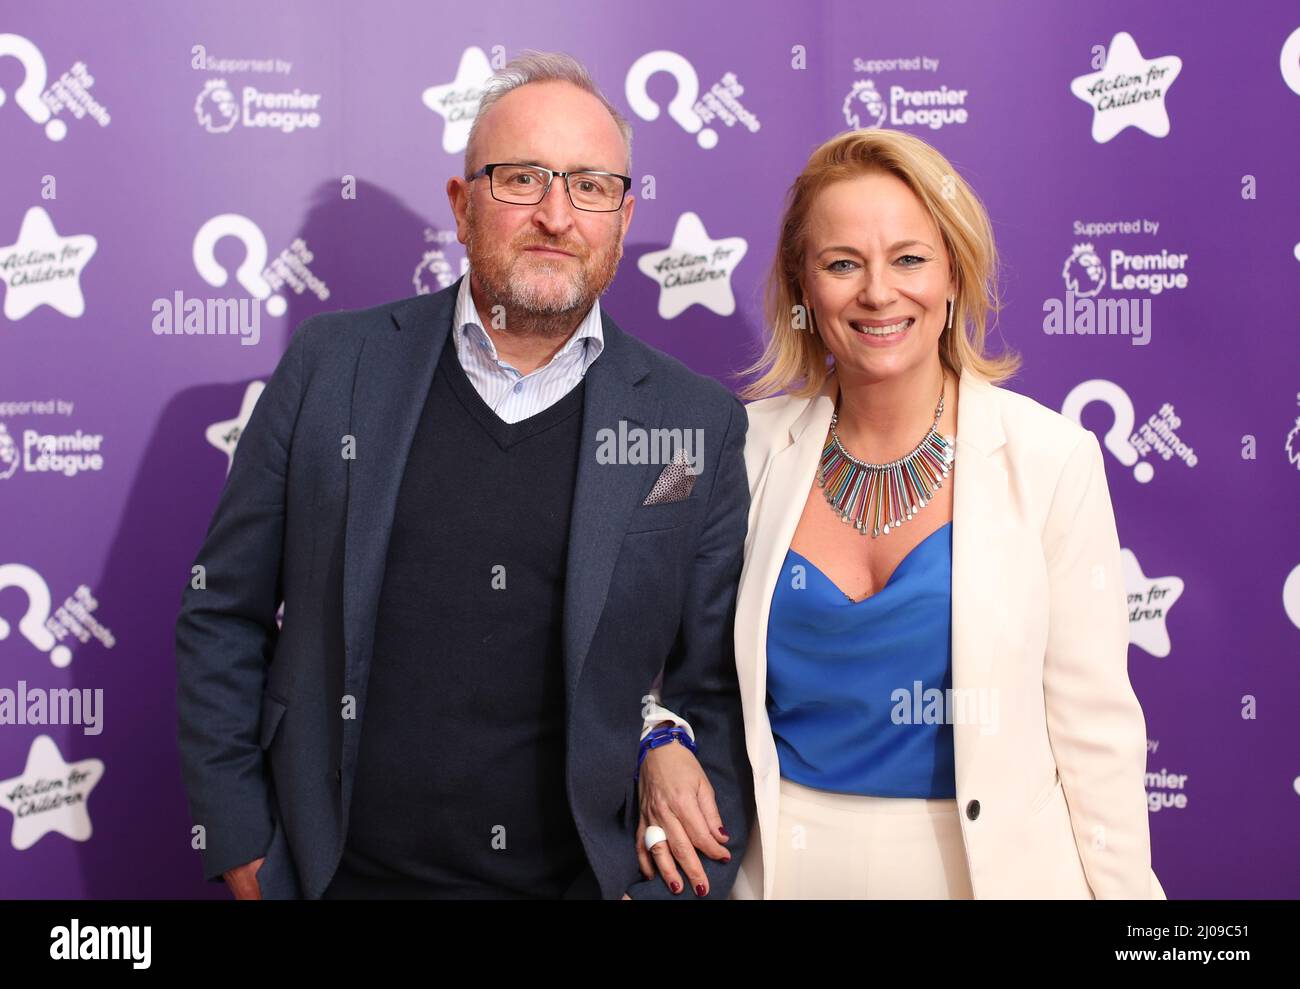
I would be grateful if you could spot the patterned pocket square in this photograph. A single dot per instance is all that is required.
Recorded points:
(674, 483)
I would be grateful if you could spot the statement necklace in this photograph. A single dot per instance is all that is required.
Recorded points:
(889, 494)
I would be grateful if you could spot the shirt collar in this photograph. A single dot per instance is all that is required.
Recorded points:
(589, 335)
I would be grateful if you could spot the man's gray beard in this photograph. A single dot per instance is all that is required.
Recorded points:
(520, 295)
(530, 311)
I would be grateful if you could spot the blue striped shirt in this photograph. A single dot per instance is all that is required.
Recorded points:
(511, 395)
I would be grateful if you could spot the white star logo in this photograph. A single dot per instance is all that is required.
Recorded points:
(1129, 91)
(694, 269)
(457, 101)
(44, 269)
(1149, 602)
(225, 435)
(50, 795)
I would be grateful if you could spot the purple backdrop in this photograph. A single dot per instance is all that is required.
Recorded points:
(1139, 165)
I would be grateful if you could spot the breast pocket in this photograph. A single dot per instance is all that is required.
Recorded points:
(651, 518)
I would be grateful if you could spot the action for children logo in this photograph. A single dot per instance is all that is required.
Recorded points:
(1089, 271)
(220, 108)
(49, 796)
(43, 269)
(1149, 602)
(1127, 90)
(691, 111)
(932, 107)
(1156, 435)
(49, 106)
(694, 269)
(263, 281)
(456, 102)
(48, 629)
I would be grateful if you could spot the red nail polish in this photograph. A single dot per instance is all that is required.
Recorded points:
(676, 887)
(699, 889)
(724, 832)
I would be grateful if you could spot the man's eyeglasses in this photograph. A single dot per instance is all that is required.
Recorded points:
(527, 185)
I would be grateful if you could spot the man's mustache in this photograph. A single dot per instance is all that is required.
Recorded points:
(554, 247)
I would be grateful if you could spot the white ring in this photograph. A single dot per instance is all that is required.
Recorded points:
(653, 835)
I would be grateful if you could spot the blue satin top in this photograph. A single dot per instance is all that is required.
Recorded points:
(847, 681)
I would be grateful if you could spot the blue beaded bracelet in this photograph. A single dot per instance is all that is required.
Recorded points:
(658, 737)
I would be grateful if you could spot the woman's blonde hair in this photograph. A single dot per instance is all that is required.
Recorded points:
(794, 359)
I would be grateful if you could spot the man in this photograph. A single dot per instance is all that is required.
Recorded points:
(475, 597)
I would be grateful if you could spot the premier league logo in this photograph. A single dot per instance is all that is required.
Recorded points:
(8, 453)
(216, 107)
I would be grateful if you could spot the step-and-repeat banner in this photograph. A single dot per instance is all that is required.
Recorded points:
(1139, 165)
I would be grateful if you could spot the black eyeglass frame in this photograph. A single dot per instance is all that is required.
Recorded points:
(551, 174)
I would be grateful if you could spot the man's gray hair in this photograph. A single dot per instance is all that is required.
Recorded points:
(535, 66)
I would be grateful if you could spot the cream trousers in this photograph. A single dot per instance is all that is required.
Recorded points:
(839, 846)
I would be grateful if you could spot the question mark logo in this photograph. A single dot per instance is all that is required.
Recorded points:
(1290, 59)
(28, 93)
(249, 274)
(682, 106)
(1116, 438)
(1291, 596)
(32, 625)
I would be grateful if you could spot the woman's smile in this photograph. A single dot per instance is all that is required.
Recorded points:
(881, 336)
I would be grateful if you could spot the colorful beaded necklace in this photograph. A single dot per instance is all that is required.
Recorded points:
(890, 493)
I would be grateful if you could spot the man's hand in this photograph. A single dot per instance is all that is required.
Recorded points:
(243, 880)
(677, 796)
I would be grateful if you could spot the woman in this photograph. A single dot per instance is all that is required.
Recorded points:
(980, 554)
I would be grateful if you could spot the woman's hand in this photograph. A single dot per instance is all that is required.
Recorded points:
(676, 796)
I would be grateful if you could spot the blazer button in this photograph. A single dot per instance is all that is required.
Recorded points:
(973, 810)
(338, 776)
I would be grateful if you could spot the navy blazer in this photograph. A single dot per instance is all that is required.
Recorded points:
(268, 749)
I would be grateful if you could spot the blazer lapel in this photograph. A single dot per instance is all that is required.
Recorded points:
(981, 503)
(604, 495)
(394, 371)
(778, 505)
(778, 500)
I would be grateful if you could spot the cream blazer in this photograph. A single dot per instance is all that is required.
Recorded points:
(1052, 802)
